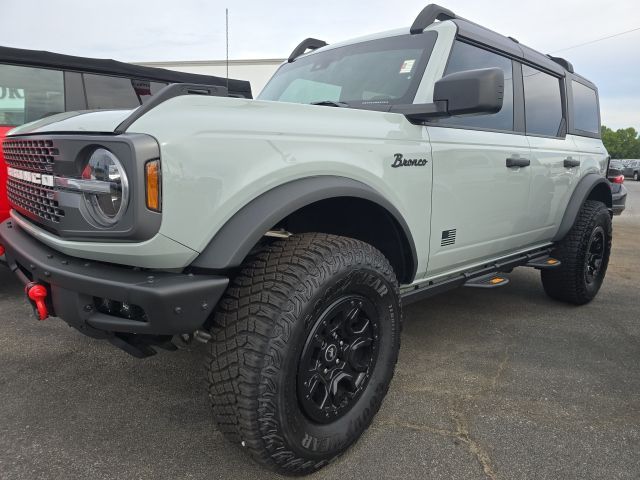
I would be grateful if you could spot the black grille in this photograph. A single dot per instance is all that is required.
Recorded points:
(38, 200)
(32, 155)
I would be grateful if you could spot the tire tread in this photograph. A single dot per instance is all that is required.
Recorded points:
(567, 282)
(250, 330)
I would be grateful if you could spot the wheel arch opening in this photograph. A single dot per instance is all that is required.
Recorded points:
(601, 193)
(361, 219)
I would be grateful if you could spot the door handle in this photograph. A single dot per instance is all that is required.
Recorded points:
(570, 162)
(513, 162)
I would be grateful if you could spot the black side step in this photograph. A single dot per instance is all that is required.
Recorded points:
(487, 281)
(474, 278)
(544, 263)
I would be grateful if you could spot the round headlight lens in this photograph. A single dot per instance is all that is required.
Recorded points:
(107, 206)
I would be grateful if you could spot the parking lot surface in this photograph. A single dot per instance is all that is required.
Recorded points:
(500, 384)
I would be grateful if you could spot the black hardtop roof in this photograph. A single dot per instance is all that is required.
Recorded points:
(477, 33)
(41, 58)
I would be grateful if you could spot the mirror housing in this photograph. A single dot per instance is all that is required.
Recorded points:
(471, 92)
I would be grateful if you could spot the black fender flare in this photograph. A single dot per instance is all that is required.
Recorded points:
(231, 244)
(586, 186)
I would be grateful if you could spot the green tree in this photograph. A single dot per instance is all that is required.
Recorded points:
(622, 143)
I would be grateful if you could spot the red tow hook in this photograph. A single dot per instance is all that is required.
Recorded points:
(38, 294)
(1, 250)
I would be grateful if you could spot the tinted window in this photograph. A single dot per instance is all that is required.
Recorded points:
(118, 92)
(585, 108)
(467, 57)
(384, 71)
(28, 94)
(542, 102)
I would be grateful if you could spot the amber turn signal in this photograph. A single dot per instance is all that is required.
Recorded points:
(153, 178)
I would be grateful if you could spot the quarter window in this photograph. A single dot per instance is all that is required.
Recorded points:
(28, 94)
(118, 92)
(543, 102)
(468, 57)
(585, 108)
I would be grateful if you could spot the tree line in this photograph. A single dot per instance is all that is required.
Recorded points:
(622, 143)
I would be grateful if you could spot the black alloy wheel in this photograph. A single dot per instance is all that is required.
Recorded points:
(595, 255)
(338, 358)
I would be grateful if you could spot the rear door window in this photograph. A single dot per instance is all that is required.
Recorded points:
(585, 108)
(28, 94)
(543, 102)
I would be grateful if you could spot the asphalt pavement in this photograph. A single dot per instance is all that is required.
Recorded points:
(499, 384)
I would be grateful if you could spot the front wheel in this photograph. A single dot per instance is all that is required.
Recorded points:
(584, 254)
(303, 349)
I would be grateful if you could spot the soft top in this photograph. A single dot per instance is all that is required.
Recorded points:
(41, 58)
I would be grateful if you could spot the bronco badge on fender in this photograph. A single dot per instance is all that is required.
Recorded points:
(400, 161)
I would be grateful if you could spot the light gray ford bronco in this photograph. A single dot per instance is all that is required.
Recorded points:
(286, 232)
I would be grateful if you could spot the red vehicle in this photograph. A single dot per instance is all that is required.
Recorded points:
(4, 204)
(36, 84)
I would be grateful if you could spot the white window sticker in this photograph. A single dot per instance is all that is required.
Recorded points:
(407, 66)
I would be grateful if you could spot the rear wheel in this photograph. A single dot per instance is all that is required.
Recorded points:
(303, 349)
(584, 254)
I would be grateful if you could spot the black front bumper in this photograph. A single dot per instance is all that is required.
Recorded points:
(171, 303)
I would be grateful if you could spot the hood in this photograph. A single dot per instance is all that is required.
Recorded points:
(94, 121)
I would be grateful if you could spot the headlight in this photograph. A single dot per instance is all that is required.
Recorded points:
(109, 203)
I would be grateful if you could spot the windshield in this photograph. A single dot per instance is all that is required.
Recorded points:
(383, 71)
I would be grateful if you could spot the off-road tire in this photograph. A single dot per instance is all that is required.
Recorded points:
(569, 283)
(262, 326)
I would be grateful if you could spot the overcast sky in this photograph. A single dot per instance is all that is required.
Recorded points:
(194, 30)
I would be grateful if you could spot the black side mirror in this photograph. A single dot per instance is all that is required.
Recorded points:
(472, 92)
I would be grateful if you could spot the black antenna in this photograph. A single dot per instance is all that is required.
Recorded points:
(226, 11)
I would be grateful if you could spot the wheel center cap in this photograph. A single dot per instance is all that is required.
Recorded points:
(331, 353)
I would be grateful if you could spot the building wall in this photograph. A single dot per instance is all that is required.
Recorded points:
(258, 72)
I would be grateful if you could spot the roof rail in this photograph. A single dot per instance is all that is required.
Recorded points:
(306, 44)
(430, 14)
(566, 64)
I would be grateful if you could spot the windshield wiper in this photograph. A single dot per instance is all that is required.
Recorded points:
(330, 103)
